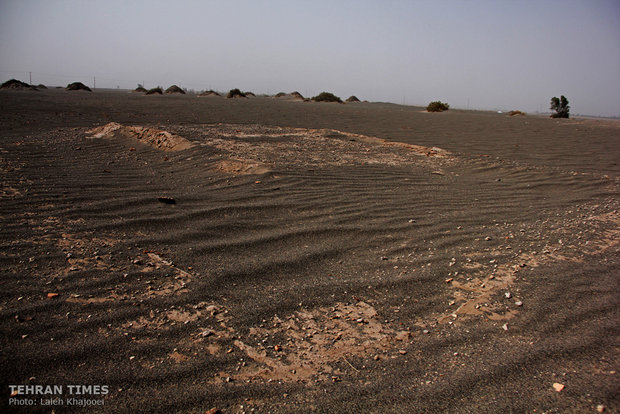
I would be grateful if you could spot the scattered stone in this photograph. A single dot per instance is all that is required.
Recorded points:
(508, 295)
(505, 326)
(52, 295)
(487, 238)
(449, 280)
(213, 411)
(558, 387)
(519, 303)
(206, 333)
(166, 200)
(600, 408)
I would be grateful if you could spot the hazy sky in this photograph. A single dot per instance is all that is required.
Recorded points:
(486, 54)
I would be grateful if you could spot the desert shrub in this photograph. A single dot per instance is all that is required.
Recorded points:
(154, 91)
(516, 113)
(352, 98)
(437, 106)
(560, 106)
(280, 94)
(248, 94)
(326, 97)
(297, 95)
(235, 93)
(140, 89)
(175, 89)
(77, 86)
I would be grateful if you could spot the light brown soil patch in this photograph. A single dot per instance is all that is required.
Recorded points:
(156, 138)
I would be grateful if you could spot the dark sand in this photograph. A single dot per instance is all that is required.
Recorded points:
(308, 257)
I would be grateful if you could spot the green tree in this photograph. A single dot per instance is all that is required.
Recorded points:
(560, 106)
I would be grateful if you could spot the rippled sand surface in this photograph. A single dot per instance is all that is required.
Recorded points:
(286, 256)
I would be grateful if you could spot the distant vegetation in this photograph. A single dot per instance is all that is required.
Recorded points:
(236, 93)
(352, 98)
(155, 91)
(77, 86)
(326, 97)
(437, 106)
(516, 113)
(280, 94)
(140, 89)
(560, 106)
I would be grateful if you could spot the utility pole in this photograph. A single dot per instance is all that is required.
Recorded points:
(30, 77)
(94, 83)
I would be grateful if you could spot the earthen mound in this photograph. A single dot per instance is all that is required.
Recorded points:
(175, 89)
(209, 93)
(140, 89)
(297, 95)
(352, 98)
(516, 113)
(293, 95)
(162, 140)
(155, 91)
(236, 93)
(17, 85)
(77, 86)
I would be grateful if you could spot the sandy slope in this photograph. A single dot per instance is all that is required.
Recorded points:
(335, 258)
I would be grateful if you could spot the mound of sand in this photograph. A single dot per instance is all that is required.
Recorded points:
(209, 93)
(516, 113)
(352, 98)
(175, 89)
(17, 85)
(236, 93)
(77, 86)
(297, 95)
(293, 95)
(41, 86)
(154, 91)
(162, 140)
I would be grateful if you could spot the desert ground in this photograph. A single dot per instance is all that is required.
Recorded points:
(274, 255)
